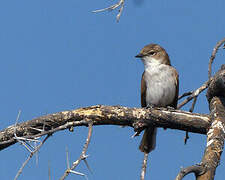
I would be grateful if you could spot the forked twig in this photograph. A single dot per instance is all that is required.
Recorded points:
(195, 93)
(83, 156)
(31, 155)
(113, 7)
(206, 84)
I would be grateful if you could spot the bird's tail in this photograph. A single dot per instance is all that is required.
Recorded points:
(148, 141)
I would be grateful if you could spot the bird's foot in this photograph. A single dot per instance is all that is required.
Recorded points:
(170, 108)
(150, 106)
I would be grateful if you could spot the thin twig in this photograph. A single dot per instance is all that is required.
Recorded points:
(86, 163)
(202, 88)
(193, 104)
(144, 166)
(49, 170)
(83, 155)
(195, 93)
(206, 84)
(185, 94)
(30, 156)
(120, 4)
(186, 137)
(220, 43)
(190, 110)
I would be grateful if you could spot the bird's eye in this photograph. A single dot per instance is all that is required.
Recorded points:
(152, 53)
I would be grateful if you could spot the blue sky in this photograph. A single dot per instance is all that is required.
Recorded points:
(57, 55)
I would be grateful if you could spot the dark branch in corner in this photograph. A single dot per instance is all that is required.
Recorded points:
(196, 169)
(138, 118)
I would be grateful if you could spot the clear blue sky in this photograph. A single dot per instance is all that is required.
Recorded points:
(57, 55)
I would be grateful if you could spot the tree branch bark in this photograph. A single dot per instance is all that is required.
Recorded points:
(138, 118)
(215, 139)
(216, 133)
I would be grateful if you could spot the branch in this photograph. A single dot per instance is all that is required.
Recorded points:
(120, 4)
(83, 155)
(30, 156)
(215, 139)
(220, 43)
(196, 169)
(216, 133)
(217, 86)
(194, 94)
(144, 166)
(138, 118)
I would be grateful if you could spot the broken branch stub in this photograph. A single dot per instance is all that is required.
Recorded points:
(217, 85)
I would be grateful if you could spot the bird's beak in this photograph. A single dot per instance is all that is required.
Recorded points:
(139, 55)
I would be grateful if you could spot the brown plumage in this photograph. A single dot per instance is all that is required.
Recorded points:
(159, 87)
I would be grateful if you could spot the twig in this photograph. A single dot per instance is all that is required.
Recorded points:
(213, 56)
(206, 84)
(83, 156)
(202, 88)
(190, 110)
(197, 169)
(185, 94)
(186, 137)
(193, 104)
(195, 93)
(113, 7)
(144, 166)
(49, 170)
(30, 156)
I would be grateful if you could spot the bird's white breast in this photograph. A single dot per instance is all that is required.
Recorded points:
(161, 84)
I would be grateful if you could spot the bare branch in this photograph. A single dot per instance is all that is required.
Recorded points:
(49, 171)
(215, 138)
(138, 118)
(186, 137)
(197, 169)
(83, 155)
(30, 156)
(190, 110)
(216, 133)
(206, 84)
(144, 166)
(194, 94)
(220, 43)
(185, 94)
(113, 7)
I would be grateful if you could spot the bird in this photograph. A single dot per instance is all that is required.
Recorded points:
(159, 87)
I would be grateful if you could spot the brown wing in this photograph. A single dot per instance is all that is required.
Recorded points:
(174, 104)
(143, 91)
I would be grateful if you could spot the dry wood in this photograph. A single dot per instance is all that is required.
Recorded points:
(216, 133)
(138, 118)
(215, 139)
